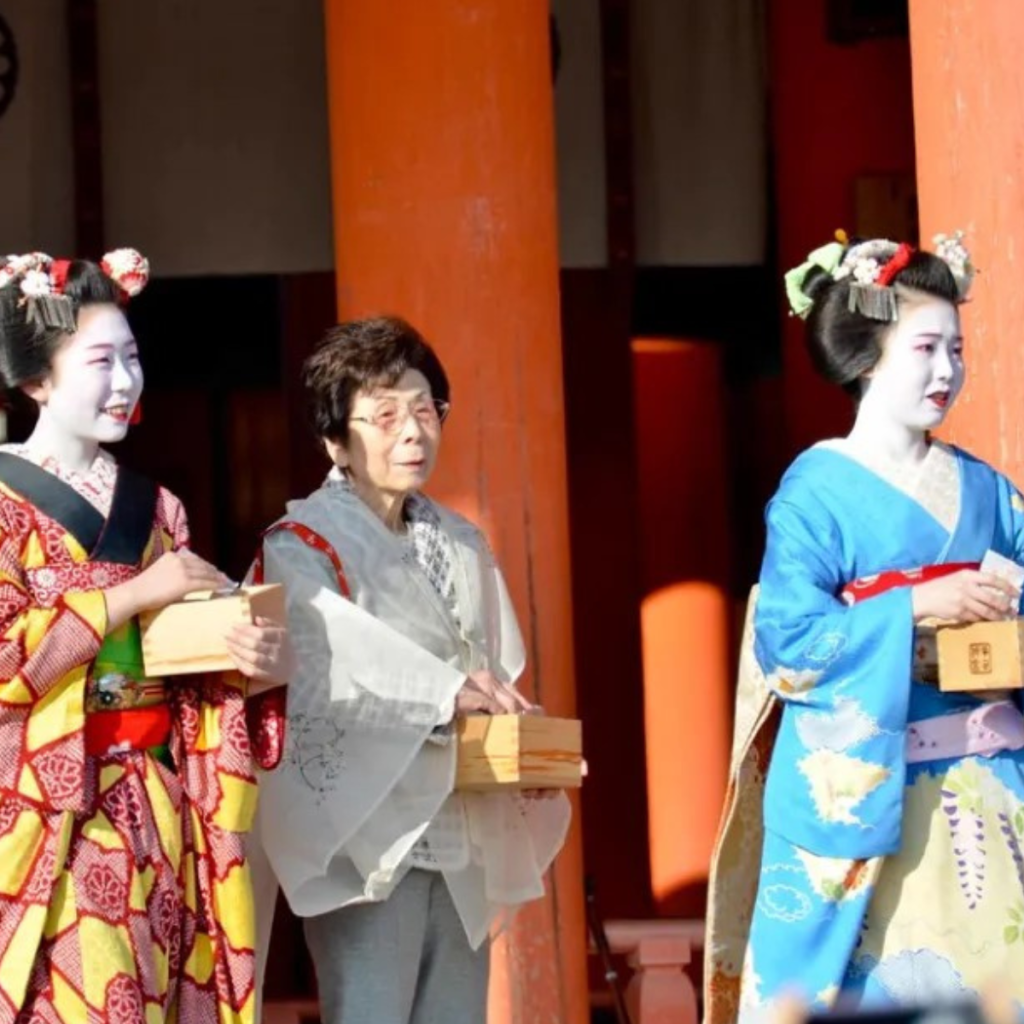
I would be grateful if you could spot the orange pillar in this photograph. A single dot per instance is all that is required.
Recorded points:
(443, 177)
(686, 610)
(969, 126)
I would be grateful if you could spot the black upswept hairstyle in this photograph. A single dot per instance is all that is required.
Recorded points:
(845, 345)
(27, 347)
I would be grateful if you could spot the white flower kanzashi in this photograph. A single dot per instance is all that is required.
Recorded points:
(866, 271)
(28, 261)
(16, 267)
(129, 268)
(951, 250)
(36, 283)
(865, 260)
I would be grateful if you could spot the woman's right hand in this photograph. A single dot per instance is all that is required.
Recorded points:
(484, 694)
(168, 579)
(965, 596)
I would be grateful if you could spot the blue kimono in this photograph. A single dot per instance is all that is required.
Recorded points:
(881, 882)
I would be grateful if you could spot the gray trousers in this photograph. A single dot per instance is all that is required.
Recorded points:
(403, 961)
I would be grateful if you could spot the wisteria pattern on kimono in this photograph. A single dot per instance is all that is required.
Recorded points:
(367, 775)
(124, 892)
(885, 880)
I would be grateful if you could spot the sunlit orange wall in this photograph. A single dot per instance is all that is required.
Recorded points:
(970, 134)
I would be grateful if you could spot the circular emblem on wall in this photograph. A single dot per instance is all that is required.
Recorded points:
(8, 66)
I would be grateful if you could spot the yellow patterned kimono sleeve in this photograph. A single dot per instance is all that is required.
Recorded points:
(45, 653)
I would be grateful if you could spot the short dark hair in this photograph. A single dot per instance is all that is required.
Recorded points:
(361, 355)
(844, 345)
(27, 347)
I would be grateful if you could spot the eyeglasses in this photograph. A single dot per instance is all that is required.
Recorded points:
(388, 416)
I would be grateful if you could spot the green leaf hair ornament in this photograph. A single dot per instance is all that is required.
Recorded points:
(827, 258)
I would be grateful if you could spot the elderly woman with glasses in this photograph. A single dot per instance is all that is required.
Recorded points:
(402, 622)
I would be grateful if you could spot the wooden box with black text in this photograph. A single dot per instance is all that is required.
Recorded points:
(981, 656)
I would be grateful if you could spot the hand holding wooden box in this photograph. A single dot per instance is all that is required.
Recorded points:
(189, 636)
(509, 752)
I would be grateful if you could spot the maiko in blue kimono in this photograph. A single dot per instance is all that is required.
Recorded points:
(873, 854)
(840, 788)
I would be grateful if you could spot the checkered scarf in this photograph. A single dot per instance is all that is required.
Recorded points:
(432, 549)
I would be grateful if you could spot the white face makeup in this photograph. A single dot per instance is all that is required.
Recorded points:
(921, 371)
(96, 380)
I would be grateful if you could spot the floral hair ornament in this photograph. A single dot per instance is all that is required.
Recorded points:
(824, 260)
(951, 249)
(41, 280)
(873, 266)
(128, 269)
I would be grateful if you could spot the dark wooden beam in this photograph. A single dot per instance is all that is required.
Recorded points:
(618, 135)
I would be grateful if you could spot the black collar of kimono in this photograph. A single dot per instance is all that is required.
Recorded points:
(120, 538)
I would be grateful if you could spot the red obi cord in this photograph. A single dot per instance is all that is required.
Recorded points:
(135, 729)
(266, 712)
(872, 586)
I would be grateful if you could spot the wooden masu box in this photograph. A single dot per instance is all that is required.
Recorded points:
(499, 752)
(189, 636)
(978, 656)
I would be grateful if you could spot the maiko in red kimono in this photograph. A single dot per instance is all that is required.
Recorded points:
(124, 890)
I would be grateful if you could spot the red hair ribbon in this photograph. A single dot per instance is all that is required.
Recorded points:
(59, 275)
(899, 261)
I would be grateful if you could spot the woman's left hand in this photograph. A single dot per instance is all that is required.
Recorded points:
(263, 653)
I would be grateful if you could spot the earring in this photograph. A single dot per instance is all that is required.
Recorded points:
(136, 417)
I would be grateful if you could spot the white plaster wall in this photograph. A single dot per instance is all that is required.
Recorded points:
(700, 164)
(36, 180)
(216, 139)
(579, 126)
(215, 134)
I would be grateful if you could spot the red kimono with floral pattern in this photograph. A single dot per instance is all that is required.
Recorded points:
(124, 890)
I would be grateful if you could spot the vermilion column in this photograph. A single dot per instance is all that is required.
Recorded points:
(685, 615)
(969, 126)
(442, 154)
